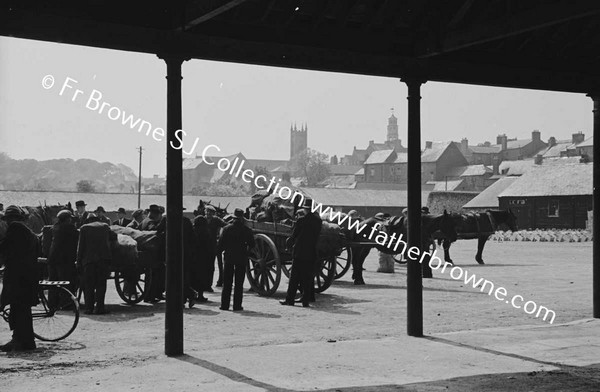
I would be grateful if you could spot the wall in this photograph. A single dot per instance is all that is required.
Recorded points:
(532, 212)
(449, 201)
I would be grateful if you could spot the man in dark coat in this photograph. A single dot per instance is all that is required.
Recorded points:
(304, 237)
(81, 215)
(63, 251)
(237, 239)
(100, 215)
(215, 224)
(154, 222)
(20, 249)
(204, 256)
(121, 218)
(93, 259)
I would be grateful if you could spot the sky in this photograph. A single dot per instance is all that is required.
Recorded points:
(242, 108)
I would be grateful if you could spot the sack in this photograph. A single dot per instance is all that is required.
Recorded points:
(124, 251)
(146, 240)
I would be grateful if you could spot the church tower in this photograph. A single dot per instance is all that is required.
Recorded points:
(298, 141)
(392, 128)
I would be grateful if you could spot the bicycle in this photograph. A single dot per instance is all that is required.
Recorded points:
(56, 322)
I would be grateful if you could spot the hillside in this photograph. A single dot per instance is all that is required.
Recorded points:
(63, 174)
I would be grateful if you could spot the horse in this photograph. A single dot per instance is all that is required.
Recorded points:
(478, 226)
(430, 224)
(220, 212)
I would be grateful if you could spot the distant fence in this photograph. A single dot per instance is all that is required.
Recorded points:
(438, 201)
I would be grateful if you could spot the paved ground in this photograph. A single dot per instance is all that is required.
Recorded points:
(353, 339)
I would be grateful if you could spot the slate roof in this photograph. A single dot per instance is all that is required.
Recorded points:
(553, 180)
(554, 151)
(344, 170)
(516, 168)
(450, 185)
(379, 157)
(589, 142)
(435, 152)
(467, 171)
(488, 198)
(485, 149)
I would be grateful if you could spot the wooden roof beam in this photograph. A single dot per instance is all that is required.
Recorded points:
(525, 22)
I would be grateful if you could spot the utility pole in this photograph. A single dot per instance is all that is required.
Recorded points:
(140, 180)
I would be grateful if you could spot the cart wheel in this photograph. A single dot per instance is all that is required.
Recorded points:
(286, 267)
(325, 275)
(343, 262)
(132, 291)
(264, 266)
(398, 259)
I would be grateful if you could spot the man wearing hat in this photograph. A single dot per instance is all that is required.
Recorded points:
(236, 241)
(93, 259)
(157, 281)
(20, 248)
(215, 224)
(121, 220)
(304, 237)
(81, 215)
(63, 250)
(138, 217)
(153, 219)
(100, 214)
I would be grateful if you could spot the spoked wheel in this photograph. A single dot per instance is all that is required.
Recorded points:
(264, 266)
(132, 286)
(398, 259)
(57, 314)
(325, 275)
(343, 262)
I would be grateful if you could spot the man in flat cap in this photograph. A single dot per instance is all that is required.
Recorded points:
(236, 241)
(304, 237)
(121, 218)
(20, 248)
(138, 217)
(81, 215)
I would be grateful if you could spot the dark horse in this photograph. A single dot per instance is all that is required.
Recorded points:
(430, 224)
(478, 226)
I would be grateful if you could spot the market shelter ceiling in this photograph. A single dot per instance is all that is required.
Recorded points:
(535, 44)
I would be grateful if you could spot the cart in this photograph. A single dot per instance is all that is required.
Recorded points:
(270, 258)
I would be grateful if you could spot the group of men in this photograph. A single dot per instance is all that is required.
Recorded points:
(81, 247)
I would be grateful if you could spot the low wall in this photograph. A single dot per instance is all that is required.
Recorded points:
(438, 201)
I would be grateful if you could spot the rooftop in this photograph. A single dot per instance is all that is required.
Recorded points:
(361, 197)
(553, 180)
(488, 198)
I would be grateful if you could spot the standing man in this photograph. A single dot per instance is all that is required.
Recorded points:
(93, 258)
(237, 239)
(63, 251)
(20, 248)
(121, 219)
(215, 224)
(304, 237)
(100, 214)
(81, 215)
(157, 281)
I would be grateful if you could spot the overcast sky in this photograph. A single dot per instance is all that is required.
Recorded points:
(243, 108)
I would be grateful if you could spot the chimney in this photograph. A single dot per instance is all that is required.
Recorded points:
(499, 139)
(487, 144)
(371, 142)
(428, 144)
(538, 159)
(464, 145)
(536, 136)
(578, 137)
(496, 165)
(504, 143)
(552, 141)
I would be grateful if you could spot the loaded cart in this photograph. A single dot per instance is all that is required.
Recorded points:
(270, 257)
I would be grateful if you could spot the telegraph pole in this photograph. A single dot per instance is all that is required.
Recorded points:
(140, 180)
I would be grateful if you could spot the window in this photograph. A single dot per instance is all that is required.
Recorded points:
(372, 172)
(553, 208)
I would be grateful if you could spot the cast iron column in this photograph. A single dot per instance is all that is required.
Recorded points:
(414, 283)
(596, 207)
(174, 240)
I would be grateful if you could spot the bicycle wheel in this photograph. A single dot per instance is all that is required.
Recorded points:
(57, 314)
